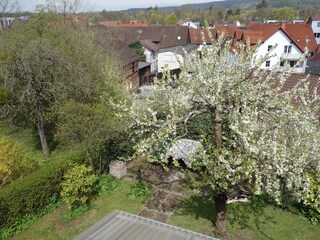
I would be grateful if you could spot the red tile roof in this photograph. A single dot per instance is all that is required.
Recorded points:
(254, 36)
(195, 36)
(301, 34)
(109, 23)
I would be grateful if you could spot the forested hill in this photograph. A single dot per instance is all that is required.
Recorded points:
(230, 3)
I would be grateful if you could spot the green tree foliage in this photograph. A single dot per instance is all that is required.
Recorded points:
(286, 13)
(78, 185)
(263, 4)
(37, 80)
(88, 127)
(55, 65)
(137, 47)
(258, 139)
(170, 19)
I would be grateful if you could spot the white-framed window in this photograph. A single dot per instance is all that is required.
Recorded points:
(287, 48)
(267, 63)
(318, 24)
(269, 48)
(291, 63)
(317, 35)
(169, 58)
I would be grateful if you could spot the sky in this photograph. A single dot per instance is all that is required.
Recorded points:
(114, 5)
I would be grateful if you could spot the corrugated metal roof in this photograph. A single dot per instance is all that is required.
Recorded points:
(125, 226)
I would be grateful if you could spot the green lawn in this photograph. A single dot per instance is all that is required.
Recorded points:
(245, 221)
(51, 226)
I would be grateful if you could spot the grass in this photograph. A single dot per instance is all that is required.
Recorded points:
(53, 226)
(245, 221)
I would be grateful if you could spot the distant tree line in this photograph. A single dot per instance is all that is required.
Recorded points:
(241, 12)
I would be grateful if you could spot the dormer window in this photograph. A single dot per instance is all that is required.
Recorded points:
(287, 49)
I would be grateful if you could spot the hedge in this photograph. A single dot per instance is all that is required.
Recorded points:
(32, 193)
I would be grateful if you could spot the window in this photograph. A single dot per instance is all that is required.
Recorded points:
(317, 35)
(269, 47)
(292, 63)
(318, 24)
(287, 48)
(282, 63)
(169, 58)
(267, 63)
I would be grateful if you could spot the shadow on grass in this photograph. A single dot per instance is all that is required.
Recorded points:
(245, 215)
(198, 207)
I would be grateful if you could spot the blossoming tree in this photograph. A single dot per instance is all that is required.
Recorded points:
(255, 134)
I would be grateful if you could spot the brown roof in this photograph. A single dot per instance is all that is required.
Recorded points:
(112, 45)
(126, 54)
(300, 33)
(163, 36)
(294, 78)
(133, 25)
(195, 36)
(149, 45)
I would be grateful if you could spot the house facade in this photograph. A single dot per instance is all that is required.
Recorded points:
(284, 52)
(288, 42)
(314, 22)
(189, 23)
(151, 53)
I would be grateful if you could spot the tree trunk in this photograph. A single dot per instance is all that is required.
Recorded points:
(43, 138)
(217, 125)
(221, 214)
(220, 200)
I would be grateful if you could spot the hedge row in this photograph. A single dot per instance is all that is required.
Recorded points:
(31, 194)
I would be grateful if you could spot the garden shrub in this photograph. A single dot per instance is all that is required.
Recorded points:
(32, 193)
(140, 191)
(78, 185)
(13, 163)
(118, 147)
(107, 184)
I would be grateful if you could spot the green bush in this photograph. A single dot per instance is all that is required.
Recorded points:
(140, 191)
(78, 185)
(107, 184)
(24, 222)
(117, 147)
(32, 193)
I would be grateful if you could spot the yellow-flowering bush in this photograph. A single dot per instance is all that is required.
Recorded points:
(13, 163)
(78, 185)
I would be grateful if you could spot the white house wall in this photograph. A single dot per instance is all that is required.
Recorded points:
(280, 39)
(152, 58)
(169, 59)
(315, 25)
